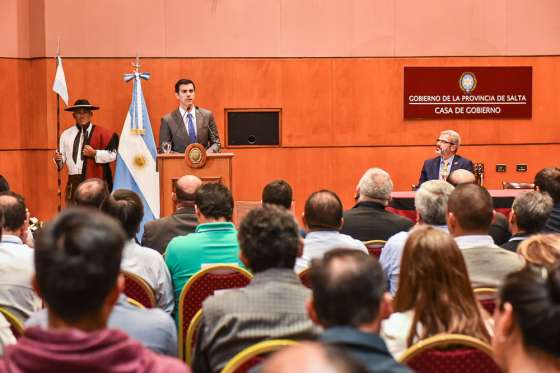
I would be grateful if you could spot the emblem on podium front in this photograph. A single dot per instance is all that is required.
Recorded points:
(467, 82)
(195, 156)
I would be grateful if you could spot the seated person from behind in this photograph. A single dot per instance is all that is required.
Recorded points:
(77, 263)
(447, 161)
(90, 193)
(213, 242)
(468, 219)
(527, 322)
(16, 259)
(547, 181)
(126, 206)
(6, 335)
(272, 306)
(158, 233)
(349, 301)
(541, 250)
(322, 218)
(434, 295)
(368, 220)
(528, 216)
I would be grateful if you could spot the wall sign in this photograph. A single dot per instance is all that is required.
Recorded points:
(468, 92)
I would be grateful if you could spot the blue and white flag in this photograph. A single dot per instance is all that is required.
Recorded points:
(136, 159)
(59, 84)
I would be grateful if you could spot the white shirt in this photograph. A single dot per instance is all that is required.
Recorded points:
(474, 240)
(317, 243)
(184, 114)
(149, 265)
(16, 272)
(67, 145)
(6, 336)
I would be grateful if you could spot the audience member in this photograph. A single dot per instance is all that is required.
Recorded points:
(4, 185)
(322, 219)
(469, 217)
(310, 357)
(349, 301)
(271, 306)
(126, 206)
(541, 250)
(499, 229)
(90, 193)
(158, 233)
(434, 295)
(278, 192)
(368, 219)
(16, 259)
(547, 180)
(6, 335)
(430, 202)
(527, 322)
(214, 240)
(528, 216)
(77, 262)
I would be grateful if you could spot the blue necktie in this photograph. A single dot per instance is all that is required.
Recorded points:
(192, 134)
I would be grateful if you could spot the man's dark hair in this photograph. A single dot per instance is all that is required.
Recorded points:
(348, 286)
(269, 238)
(278, 192)
(125, 206)
(180, 82)
(4, 185)
(548, 181)
(15, 211)
(77, 262)
(214, 200)
(323, 211)
(91, 193)
(471, 205)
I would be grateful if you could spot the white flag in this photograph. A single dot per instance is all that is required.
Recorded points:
(59, 85)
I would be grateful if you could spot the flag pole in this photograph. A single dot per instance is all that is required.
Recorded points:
(58, 169)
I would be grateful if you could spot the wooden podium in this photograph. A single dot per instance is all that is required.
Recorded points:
(172, 166)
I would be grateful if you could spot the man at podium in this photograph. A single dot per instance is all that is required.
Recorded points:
(188, 124)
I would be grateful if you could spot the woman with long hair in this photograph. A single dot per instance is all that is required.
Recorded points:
(527, 319)
(434, 295)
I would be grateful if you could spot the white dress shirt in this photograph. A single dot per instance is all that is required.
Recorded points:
(184, 114)
(149, 265)
(67, 145)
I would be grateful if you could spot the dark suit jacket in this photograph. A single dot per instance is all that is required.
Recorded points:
(515, 240)
(369, 221)
(173, 129)
(158, 233)
(430, 170)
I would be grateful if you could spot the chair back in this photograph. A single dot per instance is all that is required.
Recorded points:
(375, 247)
(191, 336)
(516, 185)
(199, 287)
(134, 302)
(450, 353)
(304, 277)
(487, 298)
(16, 326)
(137, 288)
(255, 354)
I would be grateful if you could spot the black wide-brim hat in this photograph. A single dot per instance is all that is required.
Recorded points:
(81, 104)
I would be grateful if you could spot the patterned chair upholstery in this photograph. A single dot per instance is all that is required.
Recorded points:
(304, 277)
(375, 247)
(255, 355)
(200, 286)
(450, 353)
(16, 325)
(138, 289)
(487, 298)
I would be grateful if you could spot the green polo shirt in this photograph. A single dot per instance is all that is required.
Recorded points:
(211, 243)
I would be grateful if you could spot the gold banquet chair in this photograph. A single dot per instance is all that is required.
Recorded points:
(255, 355)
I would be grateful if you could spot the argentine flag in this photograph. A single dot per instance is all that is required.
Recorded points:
(136, 159)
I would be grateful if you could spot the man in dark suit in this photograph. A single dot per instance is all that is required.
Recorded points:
(447, 160)
(368, 219)
(158, 233)
(188, 124)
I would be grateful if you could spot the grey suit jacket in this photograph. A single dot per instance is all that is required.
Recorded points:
(489, 265)
(158, 233)
(174, 130)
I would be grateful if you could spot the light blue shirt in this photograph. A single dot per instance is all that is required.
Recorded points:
(390, 258)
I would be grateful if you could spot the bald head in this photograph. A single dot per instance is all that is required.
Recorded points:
(323, 211)
(14, 211)
(186, 187)
(461, 176)
(91, 193)
(312, 357)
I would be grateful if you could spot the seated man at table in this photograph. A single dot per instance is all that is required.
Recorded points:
(368, 219)
(447, 160)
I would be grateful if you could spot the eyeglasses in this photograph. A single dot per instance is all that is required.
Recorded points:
(445, 142)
